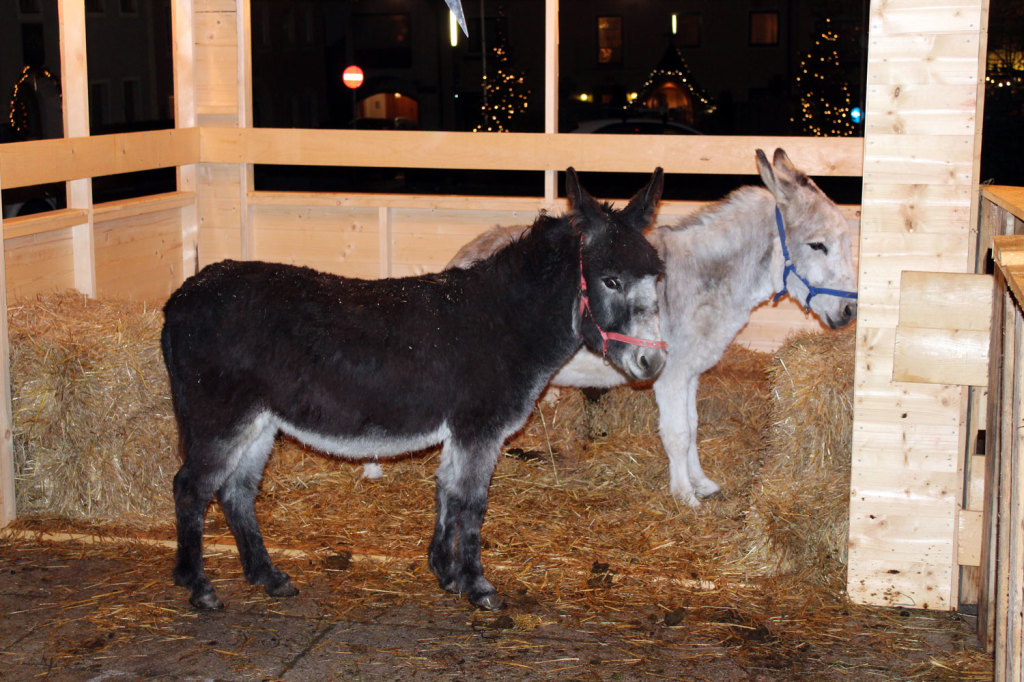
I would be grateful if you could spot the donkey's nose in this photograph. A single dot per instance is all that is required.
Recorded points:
(651, 361)
(850, 311)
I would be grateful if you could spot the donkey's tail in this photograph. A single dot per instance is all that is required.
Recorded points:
(177, 388)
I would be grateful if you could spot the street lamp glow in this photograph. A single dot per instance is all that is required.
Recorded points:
(453, 29)
(675, 23)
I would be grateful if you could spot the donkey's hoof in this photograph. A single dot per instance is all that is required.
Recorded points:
(282, 589)
(205, 601)
(706, 488)
(488, 602)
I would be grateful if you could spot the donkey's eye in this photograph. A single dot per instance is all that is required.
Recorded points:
(818, 246)
(612, 283)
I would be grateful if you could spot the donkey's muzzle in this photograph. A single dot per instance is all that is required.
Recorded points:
(644, 363)
(843, 317)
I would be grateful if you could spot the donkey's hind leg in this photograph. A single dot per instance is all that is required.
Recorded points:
(462, 481)
(193, 490)
(237, 495)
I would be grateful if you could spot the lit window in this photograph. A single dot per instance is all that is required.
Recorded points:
(609, 40)
(764, 28)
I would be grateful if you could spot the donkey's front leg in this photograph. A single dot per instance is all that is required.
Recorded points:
(702, 485)
(462, 481)
(671, 392)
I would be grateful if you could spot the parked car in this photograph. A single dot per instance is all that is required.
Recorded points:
(636, 126)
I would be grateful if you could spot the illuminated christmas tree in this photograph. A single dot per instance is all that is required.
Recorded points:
(505, 94)
(825, 92)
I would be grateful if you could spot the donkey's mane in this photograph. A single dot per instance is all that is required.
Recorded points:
(740, 199)
(539, 251)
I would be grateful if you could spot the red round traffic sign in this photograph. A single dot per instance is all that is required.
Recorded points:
(352, 77)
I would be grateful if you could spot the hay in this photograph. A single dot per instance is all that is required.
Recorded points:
(800, 515)
(581, 527)
(93, 427)
(95, 439)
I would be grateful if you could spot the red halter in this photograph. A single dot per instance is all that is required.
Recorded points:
(605, 336)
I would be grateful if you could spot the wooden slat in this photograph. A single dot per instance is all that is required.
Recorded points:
(920, 108)
(138, 257)
(1014, 639)
(919, 58)
(917, 208)
(969, 534)
(521, 151)
(915, 16)
(126, 208)
(1009, 199)
(43, 161)
(38, 223)
(944, 300)
(943, 331)
(941, 356)
(39, 263)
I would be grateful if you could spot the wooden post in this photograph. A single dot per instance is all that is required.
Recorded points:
(183, 54)
(550, 91)
(908, 438)
(75, 97)
(7, 508)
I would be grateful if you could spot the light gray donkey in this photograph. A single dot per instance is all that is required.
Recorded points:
(787, 237)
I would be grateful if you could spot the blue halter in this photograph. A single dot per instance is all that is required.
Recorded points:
(812, 290)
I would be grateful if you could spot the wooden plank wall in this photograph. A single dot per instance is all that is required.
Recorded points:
(921, 147)
(1001, 608)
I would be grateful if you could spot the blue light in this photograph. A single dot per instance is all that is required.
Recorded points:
(856, 114)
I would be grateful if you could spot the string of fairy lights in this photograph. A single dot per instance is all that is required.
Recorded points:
(18, 114)
(679, 74)
(825, 100)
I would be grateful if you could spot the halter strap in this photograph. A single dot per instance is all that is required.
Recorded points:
(606, 336)
(812, 290)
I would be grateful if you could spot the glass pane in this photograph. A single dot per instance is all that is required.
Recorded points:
(413, 77)
(30, 71)
(699, 68)
(130, 87)
(1002, 146)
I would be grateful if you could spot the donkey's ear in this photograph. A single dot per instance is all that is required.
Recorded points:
(781, 178)
(783, 165)
(580, 200)
(764, 167)
(641, 207)
(578, 197)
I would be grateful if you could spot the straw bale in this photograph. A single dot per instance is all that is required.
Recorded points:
(93, 426)
(800, 514)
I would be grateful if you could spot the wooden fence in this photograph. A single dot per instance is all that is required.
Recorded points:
(1001, 605)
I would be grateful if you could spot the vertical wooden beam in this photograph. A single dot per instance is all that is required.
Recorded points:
(550, 91)
(183, 54)
(245, 184)
(909, 437)
(7, 508)
(385, 236)
(75, 97)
